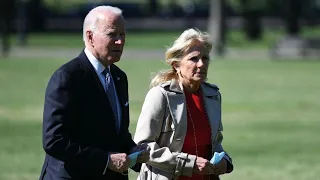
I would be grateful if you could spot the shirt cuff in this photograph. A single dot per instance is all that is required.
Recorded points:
(229, 167)
(105, 169)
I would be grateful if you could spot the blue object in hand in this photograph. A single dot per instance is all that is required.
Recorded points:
(217, 157)
(133, 158)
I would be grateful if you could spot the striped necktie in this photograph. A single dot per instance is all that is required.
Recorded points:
(110, 91)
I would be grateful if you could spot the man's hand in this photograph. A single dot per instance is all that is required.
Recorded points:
(144, 155)
(203, 166)
(118, 162)
(221, 167)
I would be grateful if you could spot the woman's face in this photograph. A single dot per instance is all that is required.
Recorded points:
(193, 67)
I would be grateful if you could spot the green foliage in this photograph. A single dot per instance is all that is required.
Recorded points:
(264, 5)
(61, 5)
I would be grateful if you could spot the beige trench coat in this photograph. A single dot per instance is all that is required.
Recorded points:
(163, 125)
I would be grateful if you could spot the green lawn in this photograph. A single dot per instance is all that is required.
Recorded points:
(159, 40)
(270, 113)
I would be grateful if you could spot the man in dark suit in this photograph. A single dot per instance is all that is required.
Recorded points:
(86, 110)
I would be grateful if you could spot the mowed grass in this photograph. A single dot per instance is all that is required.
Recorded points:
(270, 114)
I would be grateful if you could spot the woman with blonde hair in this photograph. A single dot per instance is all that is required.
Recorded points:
(181, 116)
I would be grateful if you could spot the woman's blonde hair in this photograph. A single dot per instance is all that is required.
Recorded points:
(178, 50)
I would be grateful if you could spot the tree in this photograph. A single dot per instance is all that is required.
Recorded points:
(153, 6)
(252, 12)
(217, 25)
(292, 14)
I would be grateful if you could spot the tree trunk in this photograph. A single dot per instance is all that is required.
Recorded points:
(292, 12)
(217, 25)
(153, 7)
(36, 15)
(252, 19)
(22, 22)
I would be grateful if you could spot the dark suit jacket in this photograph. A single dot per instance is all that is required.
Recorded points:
(78, 124)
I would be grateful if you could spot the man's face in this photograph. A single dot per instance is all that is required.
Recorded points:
(108, 39)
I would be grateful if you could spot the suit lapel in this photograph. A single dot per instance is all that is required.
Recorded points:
(121, 89)
(119, 85)
(91, 79)
(91, 74)
(213, 108)
(176, 103)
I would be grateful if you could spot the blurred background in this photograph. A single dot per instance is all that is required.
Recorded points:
(282, 27)
(265, 61)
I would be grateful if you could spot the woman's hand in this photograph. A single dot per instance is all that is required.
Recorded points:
(203, 166)
(221, 167)
(145, 152)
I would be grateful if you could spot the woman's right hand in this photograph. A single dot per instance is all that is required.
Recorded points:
(203, 166)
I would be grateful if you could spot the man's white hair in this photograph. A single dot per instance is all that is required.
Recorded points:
(92, 18)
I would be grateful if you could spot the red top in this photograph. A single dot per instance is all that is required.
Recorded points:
(202, 131)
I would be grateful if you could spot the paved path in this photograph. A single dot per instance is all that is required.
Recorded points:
(134, 54)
